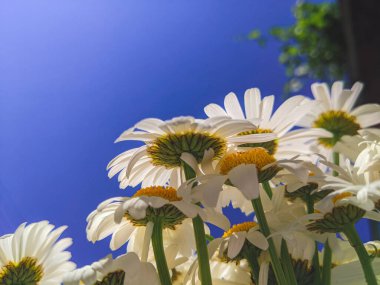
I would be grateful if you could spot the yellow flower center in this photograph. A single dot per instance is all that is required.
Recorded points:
(270, 146)
(169, 214)
(25, 272)
(243, 227)
(257, 156)
(339, 123)
(168, 193)
(341, 196)
(167, 150)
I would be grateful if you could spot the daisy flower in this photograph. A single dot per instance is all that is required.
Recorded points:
(125, 217)
(309, 191)
(337, 115)
(223, 273)
(111, 219)
(126, 269)
(287, 143)
(242, 242)
(158, 161)
(352, 274)
(361, 180)
(284, 217)
(301, 251)
(34, 255)
(243, 170)
(339, 209)
(238, 239)
(347, 269)
(351, 146)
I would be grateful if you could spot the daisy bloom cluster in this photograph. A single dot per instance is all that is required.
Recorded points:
(304, 175)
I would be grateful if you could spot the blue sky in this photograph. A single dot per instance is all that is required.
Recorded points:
(75, 74)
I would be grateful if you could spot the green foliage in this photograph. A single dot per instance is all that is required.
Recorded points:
(314, 47)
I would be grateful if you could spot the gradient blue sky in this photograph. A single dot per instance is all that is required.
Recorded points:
(75, 74)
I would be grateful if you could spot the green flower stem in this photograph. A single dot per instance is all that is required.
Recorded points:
(287, 264)
(336, 161)
(327, 262)
(200, 238)
(267, 189)
(364, 258)
(202, 251)
(327, 255)
(317, 269)
(264, 227)
(159, 254)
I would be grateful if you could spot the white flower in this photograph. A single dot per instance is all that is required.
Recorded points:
(235, 238)
(368, 160)
(288, 220)
(101, 224)
(222, 273)
(336, 114)
(288, 143)
(179, 244)
(129, 218)
(293, 182)
(244, 170)
(126, 269)
(156, 197)
(34, 255)
(301, 249)
(158, 160)
(339, 209)
(342, 251)
(347, 269)
(362, 180)
(210, 187)
(352, 273)
(351, 146)
(281, 214)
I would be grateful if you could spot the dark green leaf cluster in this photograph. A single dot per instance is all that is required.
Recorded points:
(314, 47)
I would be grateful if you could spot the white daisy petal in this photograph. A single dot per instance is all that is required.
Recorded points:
(232, 105)
(244, 177)
(211, 216)
(121, 236)
(264, 273)
(350, 102)
(257, 239)
(214, 110)
(235, 244)
(40, 243)
(252, 99)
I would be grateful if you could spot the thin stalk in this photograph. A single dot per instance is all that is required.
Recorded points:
(200, 238)
(202, 251)
(317, 269)
(287, 264)
(159, 253)
(363, 256)
(267, 189)
(327, 254)
(276, 264)
(336, 161)
(327, 262)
